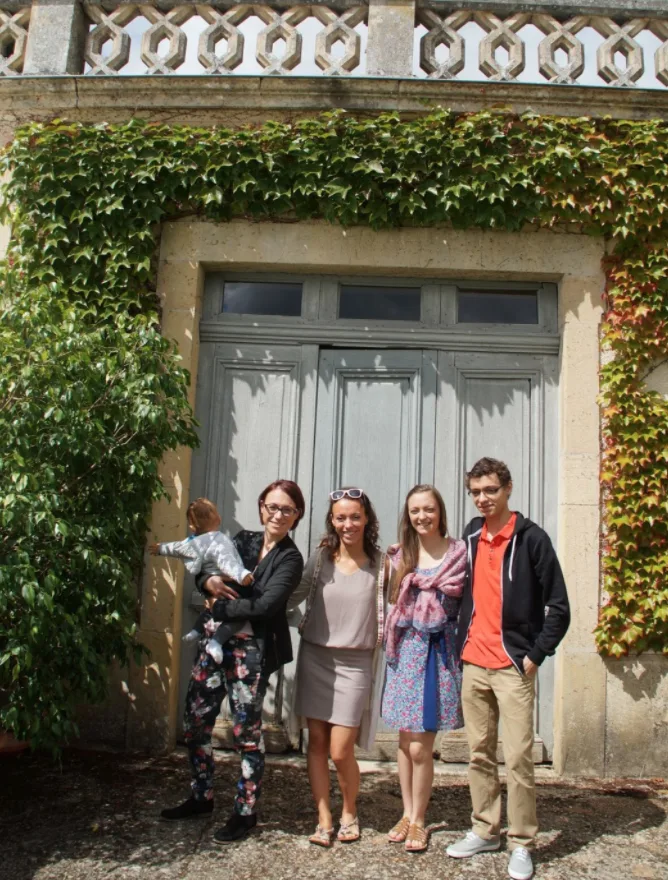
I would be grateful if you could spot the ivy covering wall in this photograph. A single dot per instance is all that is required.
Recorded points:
(91, 395)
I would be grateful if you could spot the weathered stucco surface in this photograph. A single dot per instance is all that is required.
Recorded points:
(658, 379)
(636, 731)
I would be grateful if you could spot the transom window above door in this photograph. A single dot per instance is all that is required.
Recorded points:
(263, 298)
(379, 302)
(334, 310)
(497, 307)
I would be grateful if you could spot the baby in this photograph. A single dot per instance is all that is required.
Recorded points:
(208, 551)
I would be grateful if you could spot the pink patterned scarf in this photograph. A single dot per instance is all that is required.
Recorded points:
(421, 607)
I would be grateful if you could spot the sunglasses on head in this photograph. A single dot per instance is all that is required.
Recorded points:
(338, 494)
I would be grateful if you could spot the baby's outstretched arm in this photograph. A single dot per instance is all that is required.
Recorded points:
(178, 549)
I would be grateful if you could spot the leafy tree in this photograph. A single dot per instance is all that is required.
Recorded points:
(87, 409)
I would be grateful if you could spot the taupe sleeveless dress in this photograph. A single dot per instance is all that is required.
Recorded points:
(335, 659)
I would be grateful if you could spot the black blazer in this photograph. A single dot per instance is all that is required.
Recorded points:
(276, 577)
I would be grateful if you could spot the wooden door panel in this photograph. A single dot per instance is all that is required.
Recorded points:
(498, 406)
(375, 429)
(497, 416)
(254, 404)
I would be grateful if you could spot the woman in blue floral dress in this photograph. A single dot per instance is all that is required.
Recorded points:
(423, 678)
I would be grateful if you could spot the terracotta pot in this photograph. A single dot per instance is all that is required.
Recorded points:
(9, 745)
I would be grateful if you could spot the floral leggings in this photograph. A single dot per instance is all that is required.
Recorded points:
(240, 675)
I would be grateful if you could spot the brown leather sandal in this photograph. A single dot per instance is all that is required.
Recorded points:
(322, 837)
(349, 832)
(417, 839)
(399, 832)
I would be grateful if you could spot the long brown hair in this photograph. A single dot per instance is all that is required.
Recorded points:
(331, 541)
(409, 542)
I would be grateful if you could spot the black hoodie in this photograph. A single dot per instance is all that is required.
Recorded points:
(534, 604)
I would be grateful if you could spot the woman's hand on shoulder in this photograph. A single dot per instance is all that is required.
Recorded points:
(393, 549)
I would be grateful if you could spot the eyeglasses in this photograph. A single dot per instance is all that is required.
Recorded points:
(338, 494)
(488, 492)
(273, 509)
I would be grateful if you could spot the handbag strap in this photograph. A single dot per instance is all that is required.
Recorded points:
(312, 589)
(381, 583)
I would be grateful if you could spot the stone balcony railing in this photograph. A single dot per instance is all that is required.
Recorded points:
(593, 42)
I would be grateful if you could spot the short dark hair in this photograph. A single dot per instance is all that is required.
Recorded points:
(487, 467)
(290, 488)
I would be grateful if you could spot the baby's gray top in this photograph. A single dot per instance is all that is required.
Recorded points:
(210, 553)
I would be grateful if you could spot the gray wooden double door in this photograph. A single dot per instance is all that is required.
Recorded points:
(380, 419)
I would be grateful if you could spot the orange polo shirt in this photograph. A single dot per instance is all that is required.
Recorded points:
(484, 646)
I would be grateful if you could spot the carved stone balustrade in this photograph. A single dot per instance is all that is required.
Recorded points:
(590, 42)
(13, 41)
(443, 32)
(560, 34)
(224, 24)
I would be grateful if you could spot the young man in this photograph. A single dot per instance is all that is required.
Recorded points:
(514, 613)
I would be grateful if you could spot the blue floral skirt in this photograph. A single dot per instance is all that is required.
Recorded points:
(423, 687)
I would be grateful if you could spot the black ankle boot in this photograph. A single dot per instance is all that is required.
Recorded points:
(236, 828)
(189, 809)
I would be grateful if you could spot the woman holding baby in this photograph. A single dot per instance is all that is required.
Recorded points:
(260, 644)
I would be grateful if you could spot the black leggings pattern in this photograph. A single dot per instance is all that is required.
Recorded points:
(240, 676)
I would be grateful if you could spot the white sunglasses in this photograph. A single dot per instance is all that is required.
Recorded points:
(338, 494)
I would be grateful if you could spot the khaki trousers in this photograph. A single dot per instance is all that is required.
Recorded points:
(486, 694)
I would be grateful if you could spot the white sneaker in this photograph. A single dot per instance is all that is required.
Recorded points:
(520, 866)
(471, 845)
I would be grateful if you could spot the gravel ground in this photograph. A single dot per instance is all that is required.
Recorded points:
(96, 817)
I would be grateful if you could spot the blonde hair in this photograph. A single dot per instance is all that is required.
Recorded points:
(409, 542)
(203, 514)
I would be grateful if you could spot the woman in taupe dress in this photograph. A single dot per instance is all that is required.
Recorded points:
(340, 630)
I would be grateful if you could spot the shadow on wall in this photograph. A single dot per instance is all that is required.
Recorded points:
(636, 726)
(97, 815)
(641, 677)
